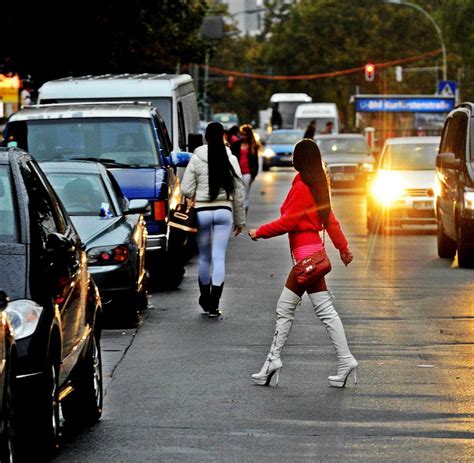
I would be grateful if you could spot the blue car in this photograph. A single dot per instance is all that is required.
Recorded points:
(131, 140)
(279, 148)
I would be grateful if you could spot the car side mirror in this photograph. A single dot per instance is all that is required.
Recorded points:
(179, 158)
(194, 141)
(3, 300)
(447, 161)
(137, 206)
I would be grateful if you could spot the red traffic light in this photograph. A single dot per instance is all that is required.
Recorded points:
(369, 72)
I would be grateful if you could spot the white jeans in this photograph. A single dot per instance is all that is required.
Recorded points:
(247, 178)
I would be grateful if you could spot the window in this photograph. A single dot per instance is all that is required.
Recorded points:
(413, 156)
(181, 128)
(343, 146)
(8, 226)
(454, 135)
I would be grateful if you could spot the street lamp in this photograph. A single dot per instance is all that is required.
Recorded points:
(435, 25)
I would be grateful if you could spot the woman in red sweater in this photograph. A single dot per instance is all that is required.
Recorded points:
(304, 213)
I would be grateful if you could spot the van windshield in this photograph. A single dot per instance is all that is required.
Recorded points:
(303, 122)
(128, 141)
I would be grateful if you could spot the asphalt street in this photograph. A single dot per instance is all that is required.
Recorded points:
(179, 389)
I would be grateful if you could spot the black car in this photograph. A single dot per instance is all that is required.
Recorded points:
(7, 382)
(55, 307)
(113, 230)
(455, 186)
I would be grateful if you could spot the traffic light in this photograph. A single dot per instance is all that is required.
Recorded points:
(369, 72)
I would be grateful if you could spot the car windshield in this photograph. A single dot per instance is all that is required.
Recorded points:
(8, 229)
(284, 138)
(126, 141)
(343, 146)
(411, 156)
(82, 194)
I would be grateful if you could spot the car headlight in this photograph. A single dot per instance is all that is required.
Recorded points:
(469, 200)
(386, 189)
(366, 167)
(268, 153)
(23, 316)
(108, 255)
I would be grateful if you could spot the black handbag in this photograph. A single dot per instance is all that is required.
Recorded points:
(184, 217)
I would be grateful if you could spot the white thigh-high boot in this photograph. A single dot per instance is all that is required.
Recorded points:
(346, 363)
(285, 310)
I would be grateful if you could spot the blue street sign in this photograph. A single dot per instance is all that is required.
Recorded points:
(405, 104)
(447, 87)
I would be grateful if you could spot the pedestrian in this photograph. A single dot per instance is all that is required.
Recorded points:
(276, 120)
(328, 128)
(246, 151)
(310, 131)
(304, 213)
(233, 135)
(214, 180)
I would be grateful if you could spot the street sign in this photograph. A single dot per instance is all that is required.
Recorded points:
(407, 104)
(447, 87)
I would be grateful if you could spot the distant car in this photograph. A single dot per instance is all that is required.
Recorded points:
(226, 119)
(113, 230)
(54, 307)
(455, 187)
(401, 190)
(348, 159)
(8, 445)
(279, 148)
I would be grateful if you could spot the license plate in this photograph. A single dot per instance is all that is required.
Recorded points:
(423, 205)
(343, 177)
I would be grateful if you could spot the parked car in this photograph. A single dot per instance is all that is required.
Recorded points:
(8, 444)
(348, 159)
(132, 141)
(279, 148)
(55, 308)
(113, 230)
(455, 187)
(401, 191)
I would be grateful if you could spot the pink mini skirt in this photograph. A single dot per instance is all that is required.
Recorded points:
(304, 251)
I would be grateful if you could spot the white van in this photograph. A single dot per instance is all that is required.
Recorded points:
(287, 104)
(172, 95)
(322, 113)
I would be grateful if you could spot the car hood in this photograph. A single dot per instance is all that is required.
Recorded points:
(13, 270)
(347, 158)
(281, 148)
(411, 178)
(93, 229)
(141, 183)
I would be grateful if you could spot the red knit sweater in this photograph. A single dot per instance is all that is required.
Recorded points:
(300, 220)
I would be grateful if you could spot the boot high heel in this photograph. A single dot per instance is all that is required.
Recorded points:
(271, 368)
(344, 369)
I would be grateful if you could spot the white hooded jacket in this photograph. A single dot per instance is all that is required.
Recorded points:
(195, 184)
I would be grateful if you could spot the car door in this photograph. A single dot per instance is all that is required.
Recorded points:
(60, 256)
(453, 141)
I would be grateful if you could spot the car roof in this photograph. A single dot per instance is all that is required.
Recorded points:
(338, 135)
(80, 167)
(411, 140)
(84, 110)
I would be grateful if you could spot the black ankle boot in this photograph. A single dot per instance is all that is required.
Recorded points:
(216, 293)
(205, 297)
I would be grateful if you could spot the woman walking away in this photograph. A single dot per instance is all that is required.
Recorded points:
(214, 180)
(304, 213)
(246, 150)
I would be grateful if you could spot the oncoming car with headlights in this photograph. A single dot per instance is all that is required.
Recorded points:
(401, 190)
(54, 308)
(113, 230)
(279, 148)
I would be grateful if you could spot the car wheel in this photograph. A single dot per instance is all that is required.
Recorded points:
(446, 246)
(465, 252)
(167, 274)
(84, 405)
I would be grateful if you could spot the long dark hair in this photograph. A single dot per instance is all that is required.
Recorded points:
(221, 172)
(307, 161)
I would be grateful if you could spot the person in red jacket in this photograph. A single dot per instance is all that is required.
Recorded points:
(304, 213)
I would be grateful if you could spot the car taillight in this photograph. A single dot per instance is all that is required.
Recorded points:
(159, 210)
(108, 255)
